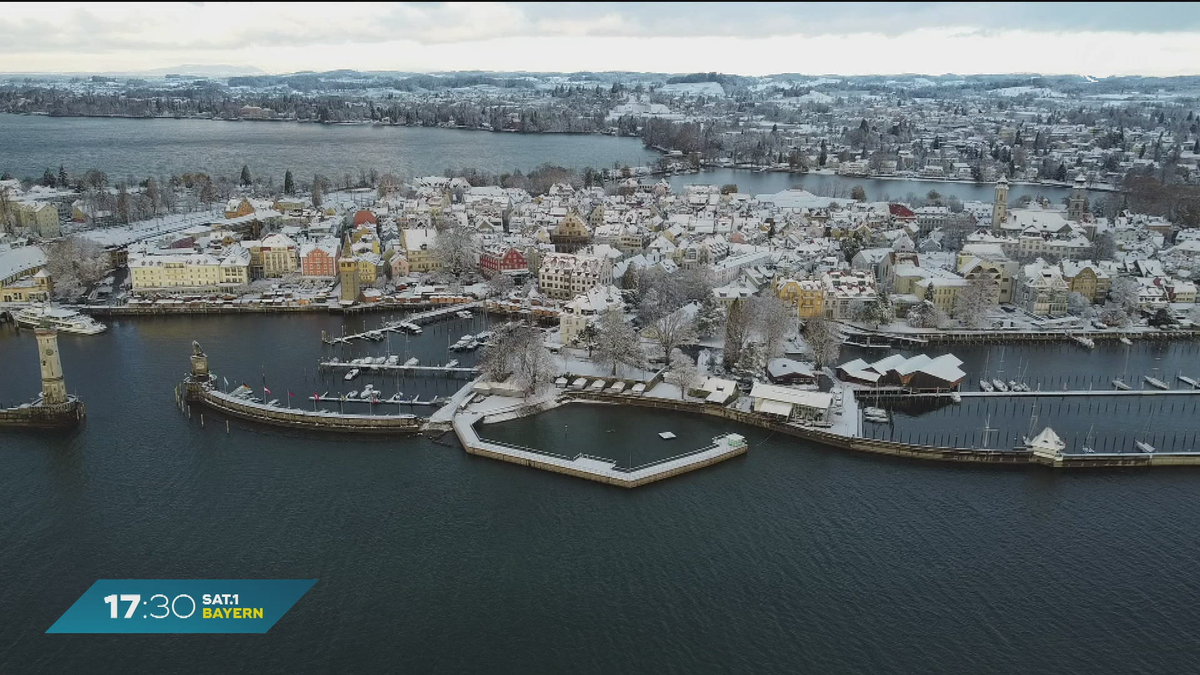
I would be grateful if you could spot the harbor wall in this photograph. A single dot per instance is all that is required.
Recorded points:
(61, 416)
(296, 418)
(897, 449)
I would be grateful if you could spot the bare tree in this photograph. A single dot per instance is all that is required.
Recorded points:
(774, 320)
(683, 372)
(823, 340)
(518, 351)
(616, 341)
(500, 284)
(8, 221)
(672, 330)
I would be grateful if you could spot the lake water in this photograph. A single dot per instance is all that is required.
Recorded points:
(160, 147)
(141, 147)
(792, 558)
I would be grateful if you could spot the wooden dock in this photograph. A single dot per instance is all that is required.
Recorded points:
(401, 368)
(398, 326)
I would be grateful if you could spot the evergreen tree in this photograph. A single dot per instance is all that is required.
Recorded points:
(48, 178)
(246, 175)
(62, 176)
(289, 184)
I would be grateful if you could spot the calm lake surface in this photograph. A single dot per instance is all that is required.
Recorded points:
(29, 144)
(160, 147)
(792, 558)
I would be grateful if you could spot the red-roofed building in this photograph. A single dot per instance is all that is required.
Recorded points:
(365, 216)
(902, 212)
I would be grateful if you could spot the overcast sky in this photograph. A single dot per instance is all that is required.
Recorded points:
(745, 38)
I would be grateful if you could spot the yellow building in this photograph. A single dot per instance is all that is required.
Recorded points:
(189, 271)
(41, 217)
(806, 295)
(369, 265)
(34, 288)
(237, 209)
(419, 249)
(1087, 279)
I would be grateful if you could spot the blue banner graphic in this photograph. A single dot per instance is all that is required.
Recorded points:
(182, 606)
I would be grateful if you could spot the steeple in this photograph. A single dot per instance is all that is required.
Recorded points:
(1000, 203)
(1077, 205)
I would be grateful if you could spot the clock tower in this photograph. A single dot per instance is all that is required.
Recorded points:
(54, 389)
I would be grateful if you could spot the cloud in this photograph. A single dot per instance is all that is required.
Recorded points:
(810, 37)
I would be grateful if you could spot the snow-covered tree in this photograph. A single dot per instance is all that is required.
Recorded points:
(517, 351)
(74, 264)
(454, 247)
(682, 372)
(1078, 304)
(823, 340)
(926, 315)
(879, 311)
(1125, 292)
(973, 302)
(738, 322)
(617, 342)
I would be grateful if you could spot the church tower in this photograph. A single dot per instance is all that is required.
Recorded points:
(348, 272)
(1000, 203)
(1077, 205)
(54, 389)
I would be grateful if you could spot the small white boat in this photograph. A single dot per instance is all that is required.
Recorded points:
(392, 360)
(1118, 383)
(984, 385)
(352, 374)
(999, 385)
(1155, 382)
(464, 314)
(1189, 381)
(352, 395)
(666, 435)
(1127, 342)
(412, 362)
(956, 397)
(1013, 386)
(1143, 446)
(452, 364)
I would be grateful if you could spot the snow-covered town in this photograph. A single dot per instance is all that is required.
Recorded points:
(702, 286)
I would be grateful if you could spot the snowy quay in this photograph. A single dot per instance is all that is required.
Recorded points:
(593, 468)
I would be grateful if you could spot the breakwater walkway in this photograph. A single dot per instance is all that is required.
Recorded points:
(593, 468)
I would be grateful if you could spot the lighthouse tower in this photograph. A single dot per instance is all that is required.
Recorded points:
(1000, 203)
(54, 389)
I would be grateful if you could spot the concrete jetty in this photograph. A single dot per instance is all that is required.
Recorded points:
(593, 468)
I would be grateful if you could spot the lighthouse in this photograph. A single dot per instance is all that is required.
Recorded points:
(54, 389)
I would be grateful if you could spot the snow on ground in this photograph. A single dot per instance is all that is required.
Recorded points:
(145, 229)
(693, 89)
(846, 421)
